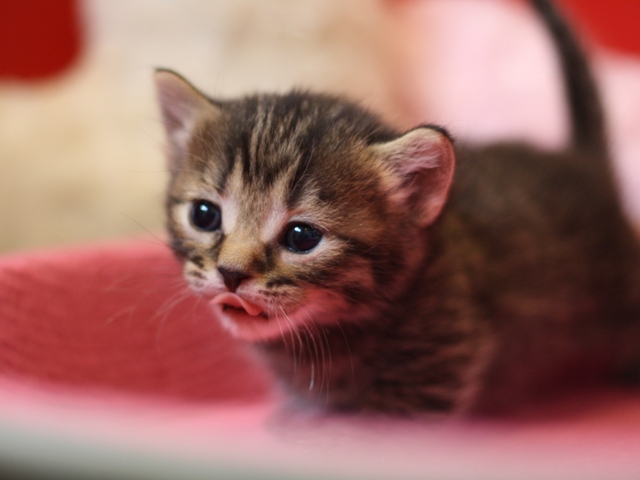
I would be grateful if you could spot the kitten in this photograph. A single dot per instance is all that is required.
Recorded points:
(378, 270)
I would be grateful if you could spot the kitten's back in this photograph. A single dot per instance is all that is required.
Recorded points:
(555, 261)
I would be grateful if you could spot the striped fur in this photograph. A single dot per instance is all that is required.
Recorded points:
(430, 291)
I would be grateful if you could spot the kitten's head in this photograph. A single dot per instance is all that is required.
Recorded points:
(290, 210)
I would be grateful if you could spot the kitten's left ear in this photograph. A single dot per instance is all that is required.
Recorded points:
(182, 107)
(424, 159)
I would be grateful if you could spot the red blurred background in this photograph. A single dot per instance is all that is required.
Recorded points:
(38, 38)
(613, 23)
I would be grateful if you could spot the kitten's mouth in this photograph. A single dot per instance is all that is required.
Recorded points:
(237, 307)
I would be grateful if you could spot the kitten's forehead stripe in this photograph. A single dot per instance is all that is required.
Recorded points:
(245, 155)
(273, 136)
(230, 157)
(296, 184)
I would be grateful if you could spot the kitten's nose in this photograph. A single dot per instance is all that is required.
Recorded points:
(232, 278)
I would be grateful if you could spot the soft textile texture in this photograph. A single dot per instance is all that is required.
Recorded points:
(116, 317)
(100, 347)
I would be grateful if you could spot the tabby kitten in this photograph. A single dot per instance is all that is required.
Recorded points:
(374, 275)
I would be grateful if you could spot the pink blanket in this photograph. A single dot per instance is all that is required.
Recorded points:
(109, 367)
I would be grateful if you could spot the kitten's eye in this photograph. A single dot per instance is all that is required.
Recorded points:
(205, 216)
(302, 238)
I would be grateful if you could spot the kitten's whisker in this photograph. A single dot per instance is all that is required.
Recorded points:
(167, 308)
(316, 356)
(330, 370)
(346, 342)
(293, 343)
(284, 340)
(160, 241)
(317, 327)
(274, 314)
(293, 329)
(169, 303)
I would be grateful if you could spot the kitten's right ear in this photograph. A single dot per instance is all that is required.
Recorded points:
(424, 160)
(182, 106)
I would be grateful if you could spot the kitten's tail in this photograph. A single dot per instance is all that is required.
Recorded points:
(586, 113)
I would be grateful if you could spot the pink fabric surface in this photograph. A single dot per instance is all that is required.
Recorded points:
(117, 317)
(103, 344)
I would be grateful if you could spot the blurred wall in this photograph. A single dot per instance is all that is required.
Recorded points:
(81, 153)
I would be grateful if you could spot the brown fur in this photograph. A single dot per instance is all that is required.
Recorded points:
(430, 291)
